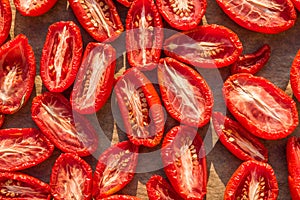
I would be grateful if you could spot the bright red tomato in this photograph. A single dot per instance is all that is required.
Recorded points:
(120, 197)
(6, 19)
(295, 76)
(296, 4)
(34, 7)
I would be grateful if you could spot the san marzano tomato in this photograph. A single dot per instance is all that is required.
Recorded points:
(6, 19)
(295, 76)
(34, 7)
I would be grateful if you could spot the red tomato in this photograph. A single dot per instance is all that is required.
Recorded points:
(144, 35)
(296, 4)
(5, 18)
(238, 140)
(61, 56)
(293, 161)
(71, 178)
(94, 80)
(17, 74)
(185, 94)
(126, 3)
(182, 15)
(120, 197)
(295, 76)
(207, 46)
(34, 7)
(115, 169)
(2, 118)
(184, 161)
(19, 186)
(272, 16)
(261, 107)
(252, 63)
(99, 18)
(67, 130)
(252, 180)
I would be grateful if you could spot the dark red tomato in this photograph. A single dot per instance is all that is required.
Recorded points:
(207, 46)
(295, 76)
(99, 18)
(140, 108)
(296, 4)
(19, 186)
(185, 94)
(252, 180)
(23, 148)
(6, 19)
(61, 56)
(184, 161)
(120, 197)
(261, 107)
(293, 161)
(67, 130)
(17, 74)
(144, 35)
(71, 178)
(115, 169)
(272, 16)
(94, 80)
(34, 7)
(238, 140)
(182, 15)
(126, 3)
(159, 189)
(252, 63)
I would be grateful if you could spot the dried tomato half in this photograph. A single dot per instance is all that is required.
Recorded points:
(295, 76)
(261, 107)
(207, 46)
(33, 7)
(6, 19)
(252, 180)
(115, 169)
(17, 74)
(272, 16)
(99, 18)
(144, 35)
(61, 56)
(120, 197)
(67, 130)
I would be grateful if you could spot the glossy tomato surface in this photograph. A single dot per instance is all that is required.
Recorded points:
(120, 197)
(184, 161)
(61, 56)
(186, 95)
(207, 46)
(260, 106)
(295, 76)
(34, 7)
(17, 74)
(144, 35)
(115, 169)
(296, 4)
(126, 3)
(94, 80)
(6, 19)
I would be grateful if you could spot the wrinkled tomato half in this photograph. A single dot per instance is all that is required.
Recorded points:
(272, 16)
(140, 108)
(293, 161)
(61, 56)
(144, 35)
(252, 63)
(120, 197)
(115, 169)
(296, 4)
(95, 78)
(15, 185)
(34, 7)
(182, 15)
(295, 76)
(260, 106)
(17, 74)
(99, 18)
(159, 189)
(184, 161)
(238, 140)
(207, 46)
(71, 178)
(6, 19)
(252, 180)
(67, 130)
(126, 3)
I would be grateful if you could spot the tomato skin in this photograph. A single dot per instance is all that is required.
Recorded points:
(34, 9)
(6, 18)
(17, 75)
(126, 3)
(120, 197)
(296, 4)
(2, 118)
(255, 108)
(64, 41)
(295, 75)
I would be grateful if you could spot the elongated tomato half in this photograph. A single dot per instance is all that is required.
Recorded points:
(99, 18)
(184, 161)
(252, 180)
(115, 169)
(71, 178)
(295, 76)
(17, 72)
(144, 35)
(94, 80)
(120, 197)
(15, 185)
(61, 56)
(207, 46)
(261, 107)
(6, 19)
(238, 140)
(265, 16)
(140, 108)
(185, 94)
(33, 7)
(67, 130)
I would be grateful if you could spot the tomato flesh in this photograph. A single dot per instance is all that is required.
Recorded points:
(295, 76)
(34, 7)
(6, 19)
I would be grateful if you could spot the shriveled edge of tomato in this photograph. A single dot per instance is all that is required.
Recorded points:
(126, 3)
(119, 197)
(2, 118)
(38, 10)
(295, 76)
(296, 4)
(7, 20)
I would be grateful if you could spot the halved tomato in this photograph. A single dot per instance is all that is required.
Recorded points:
(296, 4)
(120, 197)
(6, 19)
(34, 7)
(295, 76)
